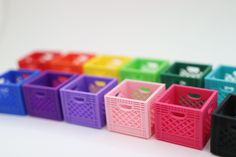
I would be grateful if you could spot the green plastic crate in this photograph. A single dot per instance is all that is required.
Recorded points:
(144, 69)
(188, 74)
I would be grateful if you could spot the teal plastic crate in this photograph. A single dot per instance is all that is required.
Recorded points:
(223, 79)
(144, 69)
(189, 74)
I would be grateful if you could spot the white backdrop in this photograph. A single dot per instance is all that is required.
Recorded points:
(189, 30)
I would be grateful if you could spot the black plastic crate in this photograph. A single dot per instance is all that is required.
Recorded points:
(223, 138)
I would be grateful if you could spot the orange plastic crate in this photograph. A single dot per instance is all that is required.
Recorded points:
(40, 59)
(71, 62)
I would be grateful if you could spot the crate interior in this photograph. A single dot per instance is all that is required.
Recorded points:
(145, 65)
(109, 61)
(229, 108)
(51, 79)
(136, 90)
(187, 70)
(225, 73)
(14, 77)
(181, 96)
(89, 84)
(74, 58)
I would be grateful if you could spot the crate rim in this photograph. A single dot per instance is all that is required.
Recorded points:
(213, 94)
(44, 73)
(161, 85)
(64, 88)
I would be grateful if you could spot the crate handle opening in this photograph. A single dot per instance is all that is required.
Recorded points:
(40, 94)
(125, 107)
(79, 99)
(177, 115)
(4, 91)
(227, 89)
(194, 96)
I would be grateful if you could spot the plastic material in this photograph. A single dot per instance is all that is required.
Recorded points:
(83, 100)
(38, 60)
(11, 97)
(223, 137)
(144, 69)
(42, 94)
(182, 115)
(106, 65)
(222, 79)
(128, 107)
(72, 62)
(186, 74)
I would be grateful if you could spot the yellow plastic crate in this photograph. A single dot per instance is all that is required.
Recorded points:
(106, 65)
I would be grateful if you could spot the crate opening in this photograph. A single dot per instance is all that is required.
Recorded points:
(45, 57)
(188, 70)
(229, 108)
(136, 91)
(186, 97)
(14, 77)
(89, 84)
(51, 80)
(227, 74)
(145, 65)
(109, 61)
(74, 59)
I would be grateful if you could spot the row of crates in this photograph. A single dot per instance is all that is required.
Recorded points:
(223, 78)
(180, 114)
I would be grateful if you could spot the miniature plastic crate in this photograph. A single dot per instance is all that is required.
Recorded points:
(223, 137)
(11, 97)
(106, 65)
(186, 74)
(38, 60)
(128, 107)
(222, 79)
(144, 69)
(72, 62)
(83, 100)
(42, 94)
(182, 115)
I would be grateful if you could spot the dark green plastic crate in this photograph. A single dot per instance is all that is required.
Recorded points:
(172, 75)
(138, 69)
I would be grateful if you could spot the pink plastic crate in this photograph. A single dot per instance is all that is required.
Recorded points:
(128, 107)
(182, 115)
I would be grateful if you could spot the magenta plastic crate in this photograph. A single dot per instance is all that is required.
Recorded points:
(83, 100)
(42, 97)
(128, 107)
(182, 115)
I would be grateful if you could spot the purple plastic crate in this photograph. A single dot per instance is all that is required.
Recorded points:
(83, 100)
(42, 95)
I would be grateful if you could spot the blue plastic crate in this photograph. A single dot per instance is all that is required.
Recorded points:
(11, 96)
(222, 79)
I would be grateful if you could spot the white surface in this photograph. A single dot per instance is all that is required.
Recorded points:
(192, 30)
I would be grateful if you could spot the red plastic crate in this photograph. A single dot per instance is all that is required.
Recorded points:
(72, 62)
(182, 115)
(38, 60)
